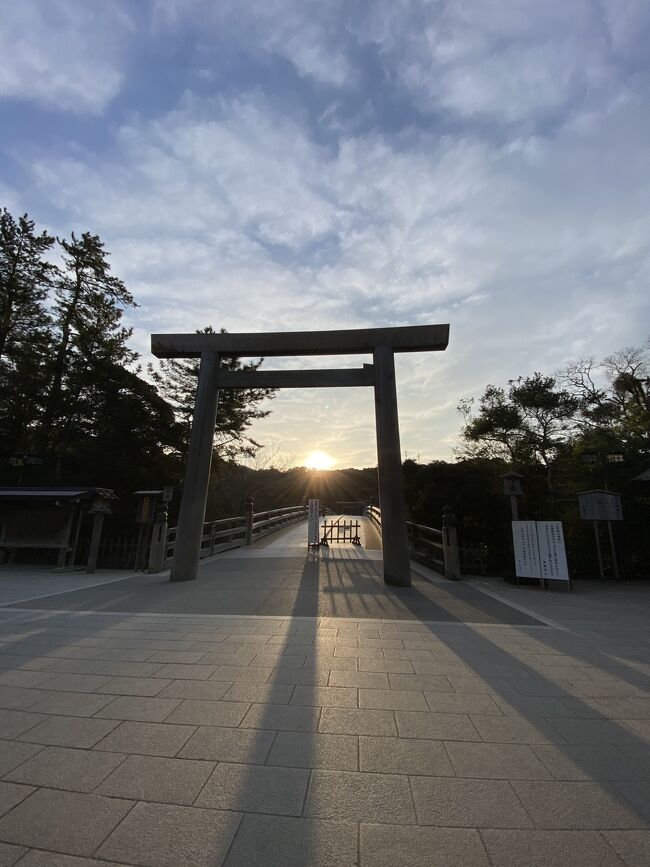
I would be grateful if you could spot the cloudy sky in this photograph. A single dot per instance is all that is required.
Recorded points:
(292, 164)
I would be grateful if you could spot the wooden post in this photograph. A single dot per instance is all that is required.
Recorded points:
(397, 562)
(617, 574)
(450, 545)
(197, 472)
(98, 522)
(599, 550)
(250, 506)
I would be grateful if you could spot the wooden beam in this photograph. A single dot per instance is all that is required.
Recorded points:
(343, 378)
(412, 338)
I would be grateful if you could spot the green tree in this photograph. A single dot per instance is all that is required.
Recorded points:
(529, 424)
(25, 279)
(238, 408)
(89, 337)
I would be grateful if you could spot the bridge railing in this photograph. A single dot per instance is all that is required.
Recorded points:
(235, 532)
(428, 545)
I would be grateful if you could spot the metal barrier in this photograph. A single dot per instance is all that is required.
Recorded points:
(428, 545)
(234, 532)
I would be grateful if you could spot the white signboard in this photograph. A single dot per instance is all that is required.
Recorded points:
(313, 526)
(524, 537)
(552, 554)
(600, 506)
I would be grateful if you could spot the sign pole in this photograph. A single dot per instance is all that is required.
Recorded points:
(617, 575)
(598, 549)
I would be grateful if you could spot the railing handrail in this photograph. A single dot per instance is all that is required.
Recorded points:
(427, 542)
(255, 526)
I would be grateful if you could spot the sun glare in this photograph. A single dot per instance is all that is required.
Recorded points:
(319, 461)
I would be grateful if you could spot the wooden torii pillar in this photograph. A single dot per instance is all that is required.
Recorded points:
(382, 343)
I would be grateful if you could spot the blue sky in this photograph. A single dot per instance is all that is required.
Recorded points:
(286, 164)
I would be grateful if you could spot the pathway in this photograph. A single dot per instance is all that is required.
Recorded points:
(481, 737)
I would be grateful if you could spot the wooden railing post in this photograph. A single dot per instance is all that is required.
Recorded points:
(450, 552)
(250, 508)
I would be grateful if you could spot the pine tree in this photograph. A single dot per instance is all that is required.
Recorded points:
(89, 302)
(25, 279)
(238, 408)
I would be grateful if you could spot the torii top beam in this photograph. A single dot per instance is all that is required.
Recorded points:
(411, 338)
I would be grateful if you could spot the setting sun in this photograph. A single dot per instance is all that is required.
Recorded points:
(319, 461)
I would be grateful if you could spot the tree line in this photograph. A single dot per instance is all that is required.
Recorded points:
(76, 405)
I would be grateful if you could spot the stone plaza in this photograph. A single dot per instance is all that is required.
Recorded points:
(291, 709)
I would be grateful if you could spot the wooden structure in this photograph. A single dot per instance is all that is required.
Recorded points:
(51, 518)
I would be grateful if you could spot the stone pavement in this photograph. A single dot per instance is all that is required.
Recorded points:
(207, 739)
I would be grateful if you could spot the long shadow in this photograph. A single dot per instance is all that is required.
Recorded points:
(542, 686)
(294, 725)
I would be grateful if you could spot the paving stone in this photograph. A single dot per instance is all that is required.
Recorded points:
(178, 671)
(314, 750)
(357, 721)
(9, 854)
(289, 842)
(260, 693)
(146, 686)
(605, 708)
(590, 763)
(593, 731)
(388, 666)
(14, 753)
(282, 718)
(209, 713)
(161, 835)
(201, 689)
(467, 803)
(248, 746)
(72, 703)
(152, 778)
(475, 685)
(151, 739)
(403, 846)
(313, 676)
(12, 794)
(325, 696)
(76, 682)
(462, 702)
(540, 687)
(131, 669)
(638, 794)
(548, 848)
(65, 768)
(359, 679)
(420, 682)
(255, 789)
(632, 846)
(579, 806)
(39, 858)
(447, 726)
(176, 656)
(142, 709)
(18, 697)
(516, 730)
(242, 674)
(403, 756)
(69, 731)
(25, 679)
(43, 821)
(15, 722)
(392, 699)
(533, 706)
(359, 797)
(496, 761)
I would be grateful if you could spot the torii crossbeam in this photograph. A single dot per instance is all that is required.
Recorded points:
(381, 342)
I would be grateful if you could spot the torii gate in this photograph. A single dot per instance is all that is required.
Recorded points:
(381, 342)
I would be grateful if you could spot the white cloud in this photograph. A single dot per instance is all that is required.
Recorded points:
(532, 243)
(64, 54)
